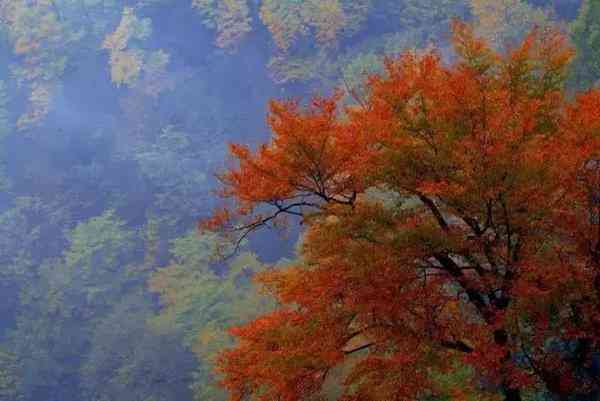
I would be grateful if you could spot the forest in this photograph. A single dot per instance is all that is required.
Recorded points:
(300, 200)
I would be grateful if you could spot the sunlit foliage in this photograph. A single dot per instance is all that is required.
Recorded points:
(323, 20)
(125, 60)
(230, 18)
(41, 42)
(202, 300)
(313, 37)
(100, 243)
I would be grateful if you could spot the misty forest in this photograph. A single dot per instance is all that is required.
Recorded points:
(300, 200)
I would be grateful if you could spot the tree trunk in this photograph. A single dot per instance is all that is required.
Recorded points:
(512, 394)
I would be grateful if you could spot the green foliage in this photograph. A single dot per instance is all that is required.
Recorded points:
(128, 362)
(323, 20)
(89, 277)
(156, 78)
(202, 303)
(355, 72)
(230, 18)
(430, 16)
(29, 232)
(126, 58)
(43, 42)
(176, 169)
(9, 377)
(321, 41)
(459, 384)
(288, 68)
(506, 22)
(189, 286)
(103, 242)
(132, 65)
(70, 295)
(5, 125)
(585, 33)
(5, 130)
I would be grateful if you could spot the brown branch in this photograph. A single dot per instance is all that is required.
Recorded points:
(457, 346)
(435, 210)
(360, 348)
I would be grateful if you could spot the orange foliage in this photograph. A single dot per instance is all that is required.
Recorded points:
(483, 248)
(302, 165)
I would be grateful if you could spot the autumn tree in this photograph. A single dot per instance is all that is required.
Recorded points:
(41, 40)
(451, 223)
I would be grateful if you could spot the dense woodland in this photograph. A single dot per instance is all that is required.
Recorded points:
(359, 200)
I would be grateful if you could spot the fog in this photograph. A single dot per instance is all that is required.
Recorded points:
(115, 116)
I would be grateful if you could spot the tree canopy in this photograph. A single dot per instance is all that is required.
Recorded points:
(451, 224)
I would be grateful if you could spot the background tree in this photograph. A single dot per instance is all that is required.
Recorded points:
(505, 22)
(586, 36)
(201, 299)
(9, 377)
(129, 361)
